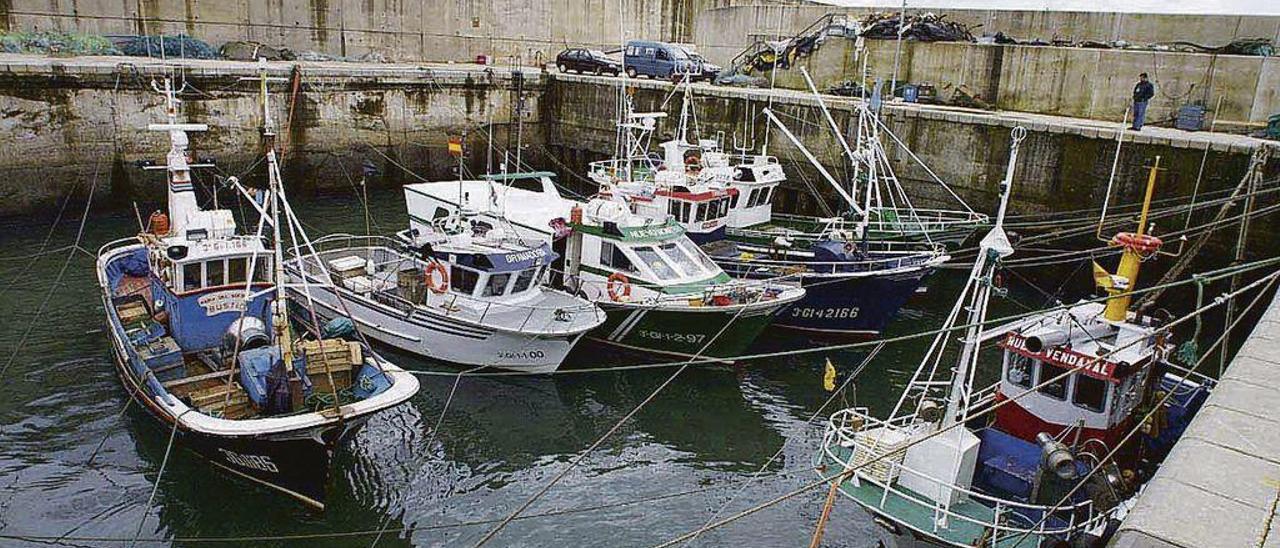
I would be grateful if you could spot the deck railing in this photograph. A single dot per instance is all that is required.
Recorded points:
(480, 310)
(1065, 521)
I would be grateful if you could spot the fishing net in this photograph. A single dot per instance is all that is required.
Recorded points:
(57, 43)
(178, 46)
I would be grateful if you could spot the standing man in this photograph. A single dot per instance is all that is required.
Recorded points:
(1142, 93)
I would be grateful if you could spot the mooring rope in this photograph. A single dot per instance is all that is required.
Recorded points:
(849, 471)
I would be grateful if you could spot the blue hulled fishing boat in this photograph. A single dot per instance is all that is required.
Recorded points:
(199, 323)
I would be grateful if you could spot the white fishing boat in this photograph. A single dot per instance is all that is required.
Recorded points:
(1087, 403)
(454, 290)
(198, 319)
(661, 292)
(854, 286)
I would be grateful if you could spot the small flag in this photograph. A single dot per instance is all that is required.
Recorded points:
(455, 146)
(829, 377)
(1100, 276)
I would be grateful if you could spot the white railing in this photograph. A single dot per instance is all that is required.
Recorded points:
(486, 312)
(841, 433)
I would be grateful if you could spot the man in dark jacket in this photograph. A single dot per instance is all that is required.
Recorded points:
(1142, 93)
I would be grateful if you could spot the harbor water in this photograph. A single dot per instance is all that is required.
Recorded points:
(80, 463)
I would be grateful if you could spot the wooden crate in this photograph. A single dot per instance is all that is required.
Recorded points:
(331, 357)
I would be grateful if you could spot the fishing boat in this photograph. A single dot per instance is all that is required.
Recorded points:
(456, 289)
(661, 293)
(1087, 403)
(854, 286)
(198, 319)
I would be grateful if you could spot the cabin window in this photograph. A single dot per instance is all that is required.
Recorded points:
(262, 270)
(1058, 388)
(733, 200)
(702, 212)
(191, 276)
(680, 210)
(1020, 370)
(660, 267)
(497, 285)
(439, 213)
(683, 262)
(768, 195)
(237, 270)
(524, 280)
(754, 199)
(724, 207)
(613, 257)
(463, 280)
(214, 274)
(1090, 393)
(526, 183)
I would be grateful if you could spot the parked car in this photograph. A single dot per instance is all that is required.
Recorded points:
(657, 60)
(587, 60)
(706, 69)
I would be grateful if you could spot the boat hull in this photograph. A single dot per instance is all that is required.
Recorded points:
(709, 331)
(851, 305)
(446, 339)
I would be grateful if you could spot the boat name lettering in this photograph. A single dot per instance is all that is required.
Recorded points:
(527, 255)
(1090, 365)
(522, 355)
(256, 462)
(657, 232)
(830, 313)
(689, 338)
(222, 301)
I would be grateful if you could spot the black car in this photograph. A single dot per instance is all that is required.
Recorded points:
(587, 61)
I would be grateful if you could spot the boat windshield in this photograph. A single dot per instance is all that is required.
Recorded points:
(650, 257)
(694, 251)
(683, 262)
(524, 280)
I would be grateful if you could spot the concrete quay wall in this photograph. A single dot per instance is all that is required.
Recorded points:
(68, 123)
(1221, 484)
(723, 31)
(1240, 91)
(1064, 164)
(528, 31)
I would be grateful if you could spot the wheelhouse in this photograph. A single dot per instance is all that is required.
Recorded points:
(1099, 399)
(497, 275)
(658, 257)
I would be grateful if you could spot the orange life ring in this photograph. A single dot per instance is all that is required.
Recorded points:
(619, 287)
(432, 268)
(1142, 243)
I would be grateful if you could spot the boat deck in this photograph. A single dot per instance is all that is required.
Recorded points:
(905, 507)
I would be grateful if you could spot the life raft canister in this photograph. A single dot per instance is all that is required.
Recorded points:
(158, 223)
(618, 286)
(443, 284)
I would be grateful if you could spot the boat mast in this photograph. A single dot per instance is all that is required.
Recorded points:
(1131, 260)
(280, 305)
(995, 245)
